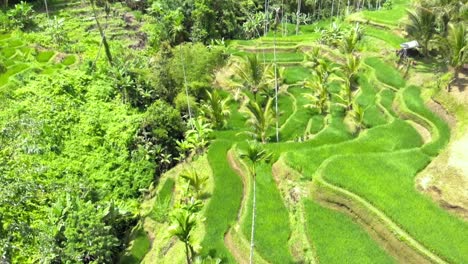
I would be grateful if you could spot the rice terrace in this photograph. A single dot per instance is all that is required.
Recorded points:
(234, 131)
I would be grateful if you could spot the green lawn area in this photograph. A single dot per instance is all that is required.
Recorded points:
(391, 17)
(141, 245)
(272, 230)
(296, 125)
(384, 35)
(221, 211)
(367, 174)
(338, 239)
(440, 131)
(386, 138)
(386, 73)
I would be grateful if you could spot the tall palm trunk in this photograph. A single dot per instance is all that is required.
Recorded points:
(299, 2)
(103, 36)
(276, 81)
(332, 7)
(254, 211)
(46, 8)
(347, 8)
(187, 253)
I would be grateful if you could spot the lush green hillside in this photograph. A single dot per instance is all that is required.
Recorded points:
(193, 132)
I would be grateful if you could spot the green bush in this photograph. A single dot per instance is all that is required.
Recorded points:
(21, 15)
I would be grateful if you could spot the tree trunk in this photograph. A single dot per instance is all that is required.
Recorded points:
(46, 8)
(276, 83)
(103, 36)
(254, 204)
(187, 253)
(297, 16)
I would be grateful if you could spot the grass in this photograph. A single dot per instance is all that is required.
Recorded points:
(141, 245)
(338, 239)
(296, 125)
(386, 100)
(45, 56)
(386, 73)
(385, 35)
(69, 60)
(296, 74)
(435, 228)
(394, 136)
(221, 211)
(286, 107)
(272, 230)
(387, 17)
(440, 132)
(163, 201)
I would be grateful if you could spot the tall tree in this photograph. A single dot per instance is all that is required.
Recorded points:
(255, 154)
(457, 43)
(298, 13)
(183, 226)
(252, 73)
(421, 25)
(216, 108)
(259, 118)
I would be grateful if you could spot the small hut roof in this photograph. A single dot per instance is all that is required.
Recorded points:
(410, 45)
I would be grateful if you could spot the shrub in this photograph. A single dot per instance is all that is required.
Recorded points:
(21, 15)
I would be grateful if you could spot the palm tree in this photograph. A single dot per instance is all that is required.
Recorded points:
(421, 26)
(349, 41)
(183, 226)
(260, 119)
(254, 154)
(195, 180)
(457, 43)
(216, 108)
(252, 72)
(351, 69)
(319, 97)
(346, 95)
(357, 115)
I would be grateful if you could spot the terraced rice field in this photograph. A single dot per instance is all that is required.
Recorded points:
(354, 195)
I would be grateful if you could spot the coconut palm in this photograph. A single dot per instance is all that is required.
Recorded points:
(196, 181)
(184, 223)
(216, 108)
(255, 154)
(421, 25)
(346, 95)
(252, 73)
(351, 69)
(259, 118)
(357, 115)
(319, 96)
(457, 43)
(350, 40)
